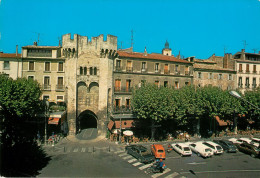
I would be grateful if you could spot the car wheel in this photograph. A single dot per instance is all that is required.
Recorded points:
(252, 155)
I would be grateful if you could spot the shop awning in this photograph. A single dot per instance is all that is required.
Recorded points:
(124, 124)
(54, 120)
(110, 124)
(222, 122)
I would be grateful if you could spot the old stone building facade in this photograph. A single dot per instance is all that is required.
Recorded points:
(95, 80)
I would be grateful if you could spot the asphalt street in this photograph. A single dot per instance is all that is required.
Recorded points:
(106, 159)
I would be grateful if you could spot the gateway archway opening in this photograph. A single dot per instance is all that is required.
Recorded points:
(87, 125)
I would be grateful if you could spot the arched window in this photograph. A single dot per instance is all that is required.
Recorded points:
(91, 71)
(85, 70)
(95, 71)
(81, 71)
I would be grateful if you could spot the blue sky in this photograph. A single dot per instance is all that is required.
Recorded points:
(193, 27)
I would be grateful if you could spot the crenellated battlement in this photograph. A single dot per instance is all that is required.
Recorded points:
(83, 43)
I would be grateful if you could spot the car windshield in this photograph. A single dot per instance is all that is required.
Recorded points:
(207, 150)
(219, 148)
(186, 149)
(160, 151)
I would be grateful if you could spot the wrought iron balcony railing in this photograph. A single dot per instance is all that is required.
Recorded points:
(123, 89)
(129, 69)
(46, 87)
(122, 110)
(60, 87)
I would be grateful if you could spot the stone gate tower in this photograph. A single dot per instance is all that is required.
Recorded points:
(89, 72)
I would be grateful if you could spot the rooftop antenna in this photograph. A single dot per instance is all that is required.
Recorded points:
(244, 41)
(132, 39)
(255, 50)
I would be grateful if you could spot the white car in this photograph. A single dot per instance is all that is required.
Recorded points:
(201, 150)
(217, 149)
(182, 148)
(255, 142)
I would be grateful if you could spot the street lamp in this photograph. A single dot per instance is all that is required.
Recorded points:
(46, 103)
(235, 94)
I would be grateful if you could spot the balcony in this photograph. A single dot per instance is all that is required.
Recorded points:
(167, 72)
(123, 89)
(144, 70)
(177, 73)
(60, 88)
(157, 71)
(46, 87)
(188, 73)
(247, 85)
(122, 110)
(240, 71)
(129, 69)
(118, 68)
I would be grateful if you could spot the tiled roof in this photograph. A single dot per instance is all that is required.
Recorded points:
(151, 56)
(41, 47)
(210, 67)
(10, 55)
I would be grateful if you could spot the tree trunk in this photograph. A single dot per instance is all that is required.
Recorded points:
(152, 130)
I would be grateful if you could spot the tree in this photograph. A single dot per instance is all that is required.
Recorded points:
(19, 102)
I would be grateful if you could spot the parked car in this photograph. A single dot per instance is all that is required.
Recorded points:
(255, 142)
(228, 146)
(182, 148)
(201, 149)
(249, 149)
(140, 153)
(240, 140)
(158, 151)
(217, 149)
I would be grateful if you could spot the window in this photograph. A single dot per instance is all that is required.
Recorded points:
(156, 67)
(176, 68)
(210, 76)
(6, 65)
(230, 77)
(176, 85)
(165, 84)
(240, 84)
(240, 68)
(91, 71)
(156, 83)
(85, 70)
(95, 71)
(60, 67)
(128, 85)
(118, 65)
(59, 98)
(31, 66)
(46, 83)
(60, 80)
(117, 85)
(247, 68)
(199, 74)
(220, 76)
(247, 82)
(46, 97)
(117, 104)
(166, 69)
(254, 82)
(143, 66)
(187, 83)
(127, 104)
(47, 66)
(129, 67)
(254, 68)
(81, 70)
(30, 77)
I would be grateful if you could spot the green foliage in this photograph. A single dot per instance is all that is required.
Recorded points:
(19, 98)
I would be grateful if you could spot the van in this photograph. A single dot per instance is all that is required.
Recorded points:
(158, 151)
(201, 149)
(217, 149)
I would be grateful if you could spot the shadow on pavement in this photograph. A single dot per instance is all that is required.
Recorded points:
(24, 159)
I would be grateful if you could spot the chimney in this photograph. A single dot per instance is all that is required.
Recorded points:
(243, 56)
(145, 52)
(16, 50)
(243, 50)
(213, 57)
(35, 43)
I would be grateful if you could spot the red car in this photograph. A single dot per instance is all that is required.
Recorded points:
(158, 151)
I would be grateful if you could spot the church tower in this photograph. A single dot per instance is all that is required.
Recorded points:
(166, 50)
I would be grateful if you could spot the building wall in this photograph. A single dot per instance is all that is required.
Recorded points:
(14, 69)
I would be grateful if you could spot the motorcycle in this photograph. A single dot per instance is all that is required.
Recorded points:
(155, 169)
